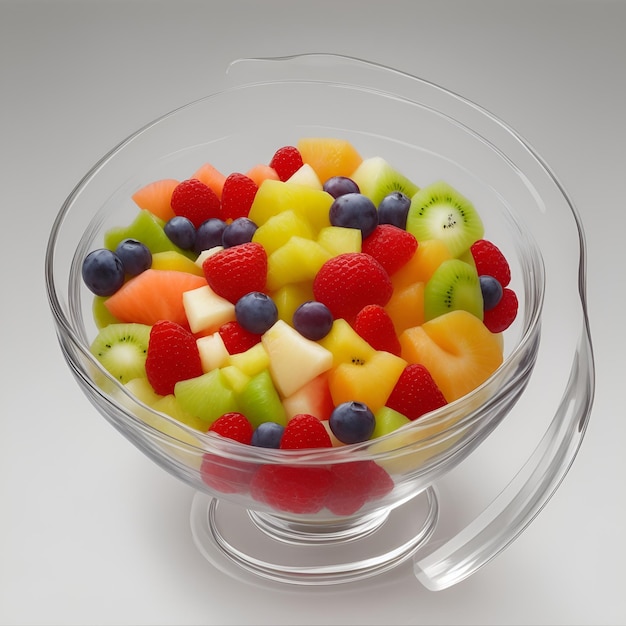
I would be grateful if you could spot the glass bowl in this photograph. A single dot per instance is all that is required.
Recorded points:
(546, 380)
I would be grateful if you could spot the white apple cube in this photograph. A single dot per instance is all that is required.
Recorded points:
(205, 254)
(205, 310)
(213, 352)
(294, 359)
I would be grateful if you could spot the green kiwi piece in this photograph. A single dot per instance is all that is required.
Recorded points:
(259, 401)
(439, 211)
(121, 349)
(148, 229)
(454, 285)
(376, 179)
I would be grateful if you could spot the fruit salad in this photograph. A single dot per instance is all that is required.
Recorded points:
(320, 299)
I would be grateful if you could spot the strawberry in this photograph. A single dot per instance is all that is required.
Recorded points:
(172, 356)
(236, 271)
(490, 260)
(221, 473)
(237, 196)
(503, 314)
(415, 393)
(286, 162)
(236, 338)
(348, 282)
(290, 488)
(391, 246)
(304, 431)
(234, 426)
(373, 324)
(354, 483)
(196, 201)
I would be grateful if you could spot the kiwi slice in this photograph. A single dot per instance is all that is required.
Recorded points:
(376, 179)
(454, 285)
(122, 348)
(439, 211)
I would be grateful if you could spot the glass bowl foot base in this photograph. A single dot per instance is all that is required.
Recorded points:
(257, 547)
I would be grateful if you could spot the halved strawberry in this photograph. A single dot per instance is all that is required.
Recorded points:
(237, 196)
(373, 324)
(196, 201)
(415, 393)
(391, 246)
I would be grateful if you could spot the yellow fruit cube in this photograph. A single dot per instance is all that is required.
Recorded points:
(346, 345)
(252, 361)
(289, 297)
(278, 229)
(339, 240)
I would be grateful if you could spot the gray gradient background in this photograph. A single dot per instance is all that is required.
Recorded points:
(88, 541)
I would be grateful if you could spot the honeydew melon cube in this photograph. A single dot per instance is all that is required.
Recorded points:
(307, 176)
(259, 400)
(339, 240)
(294, 359)
(278, 229)
(207, 397)
(289, 297)
(297, 261)
(205, 310)
(251, 361)
(213, 352)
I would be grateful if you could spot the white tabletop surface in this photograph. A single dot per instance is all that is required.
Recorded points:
(91, 531)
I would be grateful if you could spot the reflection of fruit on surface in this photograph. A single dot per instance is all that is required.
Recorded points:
(329, 156)
(456, 348)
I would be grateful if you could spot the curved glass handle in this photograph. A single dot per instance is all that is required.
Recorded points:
(528, 492)
(517, 505)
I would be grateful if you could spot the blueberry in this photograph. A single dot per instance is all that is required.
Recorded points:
(267, 435)
(393, 209)
(354, 210)
(181, 232)
(209, 234)
(238, 231)
(340, 185)
(491, 290)
(135, 256)
(352, 422)
(256, 312)
(313, 320)
(103, 272)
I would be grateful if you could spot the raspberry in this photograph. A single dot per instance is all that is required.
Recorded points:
(236, 338)
(391, 246)
(195, 201)
(304, 431)
(350, 281)
(286, 162)
(290, 488)
(234, 272)
(172, 356)
(234, 426)
(490, 260)
(354, 483)
(415, 393)
(503, 314)
(375, 326)
(237, 196)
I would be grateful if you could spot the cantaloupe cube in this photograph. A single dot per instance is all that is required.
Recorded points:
(329, 156)
(406, 306)
(430, 254)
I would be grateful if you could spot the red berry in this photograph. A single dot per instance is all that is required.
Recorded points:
(391, 246)
(490, 260)
(236, 338)
(503, 314)
(348, 282)
(234, 426)
(304, 431)
(375, 326)
(415, 393)
(354, 483)
(195, 201)
(172, 356)
(286, 162)
(236, 271)
(291, 488)
(237, 196)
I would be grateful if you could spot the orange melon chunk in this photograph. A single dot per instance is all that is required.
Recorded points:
(456, 348)
(211, 177)
(154, 295)
(156, 197)
(260, 172)
(329, 156)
